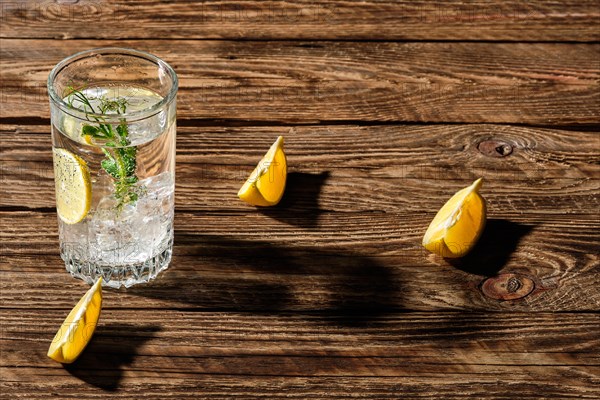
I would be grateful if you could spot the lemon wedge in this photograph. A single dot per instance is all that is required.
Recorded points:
(78, 328)
(458, 225)
(73, 186)
(266, 183)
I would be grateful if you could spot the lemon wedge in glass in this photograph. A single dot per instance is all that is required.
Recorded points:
(78, 328)
(266, 183)
(458, 225)
(73, 186)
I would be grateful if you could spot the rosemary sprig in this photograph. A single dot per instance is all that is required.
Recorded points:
(120, 162)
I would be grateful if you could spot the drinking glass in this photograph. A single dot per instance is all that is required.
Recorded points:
(113, 114)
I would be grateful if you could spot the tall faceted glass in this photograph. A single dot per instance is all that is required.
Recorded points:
(113, 114)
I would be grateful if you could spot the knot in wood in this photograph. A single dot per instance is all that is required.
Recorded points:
(494, 148)
(507, 287)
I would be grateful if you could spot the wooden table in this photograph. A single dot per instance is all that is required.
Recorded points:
(387, 108)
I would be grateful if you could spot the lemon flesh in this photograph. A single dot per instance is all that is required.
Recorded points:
(266, 183)
(73, 186)
(458, 224)
(78, 328)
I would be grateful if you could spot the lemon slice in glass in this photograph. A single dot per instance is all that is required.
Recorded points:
(73, 186)
(266, 183)
(78, 328)
(458, 225)
(69, 125)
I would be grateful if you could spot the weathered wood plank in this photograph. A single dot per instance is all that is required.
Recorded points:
(224, 387)
(384, 168)
(378, 233)
(533, 83)
(460, 355)
(371, 262)
(356, 289)
(305, 19)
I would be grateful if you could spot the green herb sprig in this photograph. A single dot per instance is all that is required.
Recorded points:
(120, 162)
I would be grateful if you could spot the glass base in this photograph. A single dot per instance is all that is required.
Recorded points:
(122, 275)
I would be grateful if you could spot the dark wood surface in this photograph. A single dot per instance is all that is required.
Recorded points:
(387, 109)
(335, 82)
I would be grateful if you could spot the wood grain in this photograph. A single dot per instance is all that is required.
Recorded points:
(311, 82)
(302, 387)
(219, 355)
(540, 20)
(373, 261)
(396, 168)
(387, 107)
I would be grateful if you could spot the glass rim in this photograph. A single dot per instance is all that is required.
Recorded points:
(132, 116)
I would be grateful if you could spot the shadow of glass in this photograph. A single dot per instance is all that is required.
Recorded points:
(494, 248)
(362, 290)
(353, 288)
(217, 292)
(300, 203)
(112, 347)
